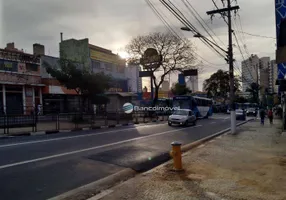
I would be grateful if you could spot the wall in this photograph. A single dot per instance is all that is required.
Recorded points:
(108, 63)
(280, 11)
(51, 61)
(75, 50)
(134, 81)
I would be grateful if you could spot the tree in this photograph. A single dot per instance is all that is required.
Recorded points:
(254, 91)
(240, 99)
(218, 85)
(90, 85)
(177, 55)
(179, 89)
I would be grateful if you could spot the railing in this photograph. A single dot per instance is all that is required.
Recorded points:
(14, 124)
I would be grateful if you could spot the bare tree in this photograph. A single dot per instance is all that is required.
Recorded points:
(177, 55)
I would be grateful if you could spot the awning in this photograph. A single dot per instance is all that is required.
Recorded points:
(123, 94)
(14, 83)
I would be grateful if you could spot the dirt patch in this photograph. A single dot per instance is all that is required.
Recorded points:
(247, 182)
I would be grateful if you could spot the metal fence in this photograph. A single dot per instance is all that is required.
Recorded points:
(13, 124)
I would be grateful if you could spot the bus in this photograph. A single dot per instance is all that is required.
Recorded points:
(202, 107)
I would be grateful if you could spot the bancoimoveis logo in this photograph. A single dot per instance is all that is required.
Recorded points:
(129, 108)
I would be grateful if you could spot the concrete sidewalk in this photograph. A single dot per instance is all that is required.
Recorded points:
(250, 165)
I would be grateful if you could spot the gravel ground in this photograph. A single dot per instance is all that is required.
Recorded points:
(250, 165)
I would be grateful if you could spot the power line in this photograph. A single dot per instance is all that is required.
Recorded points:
(153, 8)
(255, 35)
(194, 13)
(188, 24)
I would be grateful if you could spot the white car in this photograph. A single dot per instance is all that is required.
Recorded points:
(182, 117)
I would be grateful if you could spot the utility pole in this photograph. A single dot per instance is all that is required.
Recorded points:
(223, 12)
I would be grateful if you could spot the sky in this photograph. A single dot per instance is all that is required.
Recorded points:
(113, 23)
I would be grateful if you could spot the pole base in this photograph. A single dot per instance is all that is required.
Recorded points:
(177, 170)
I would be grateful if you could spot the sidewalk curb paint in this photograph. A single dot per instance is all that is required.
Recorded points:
(96, 187)
(52, 132)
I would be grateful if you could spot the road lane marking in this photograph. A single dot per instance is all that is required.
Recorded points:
(226, 118)
(91, 148)
(77, 136)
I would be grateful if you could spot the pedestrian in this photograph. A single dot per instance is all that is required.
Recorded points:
(270, 116)
(262, 115)
(39, 109)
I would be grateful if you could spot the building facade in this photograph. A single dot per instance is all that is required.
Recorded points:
(96, 59)
(264, 75)
(56, 98)
(165, 86)
(250, 70)
(273, 73)
(193, 83)
(20, 79)
(134, 81)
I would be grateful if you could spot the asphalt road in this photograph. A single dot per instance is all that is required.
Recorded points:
(41, 167)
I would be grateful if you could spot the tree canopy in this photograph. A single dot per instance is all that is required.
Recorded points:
(179, 89)
(177, 55)
(85, 83)
(218, 84)
(254, 91)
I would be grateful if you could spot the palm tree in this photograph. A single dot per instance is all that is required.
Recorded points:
(254, 91)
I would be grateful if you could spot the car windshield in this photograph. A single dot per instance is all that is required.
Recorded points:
(180, 112)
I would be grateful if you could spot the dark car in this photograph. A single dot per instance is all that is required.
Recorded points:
(251, 112)
(240, 114)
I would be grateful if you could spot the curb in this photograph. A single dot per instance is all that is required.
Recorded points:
(89, 190)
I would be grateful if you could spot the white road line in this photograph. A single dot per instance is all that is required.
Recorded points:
(77, 136)
(226, 118)
(91, 148)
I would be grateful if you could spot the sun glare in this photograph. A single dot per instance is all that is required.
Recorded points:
(123, 54)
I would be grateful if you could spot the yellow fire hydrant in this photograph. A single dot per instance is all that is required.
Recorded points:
(176, 154)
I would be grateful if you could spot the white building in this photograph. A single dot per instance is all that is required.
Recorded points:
(192, 83)
(165, 86)
(134, 81)
(250, 71)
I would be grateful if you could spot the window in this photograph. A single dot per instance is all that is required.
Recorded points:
(190, 113)
(31, 67)
(108, 66)
(95, 66)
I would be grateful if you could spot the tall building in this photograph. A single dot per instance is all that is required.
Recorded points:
(250, 71)
(264, 75)
(273, 74)
(134, 81)
(193, 83)
(165, 86)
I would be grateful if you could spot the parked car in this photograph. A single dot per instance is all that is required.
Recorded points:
(182, 117)
(251, 112)
(240, 114)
